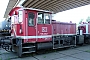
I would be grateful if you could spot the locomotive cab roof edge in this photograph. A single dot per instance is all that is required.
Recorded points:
(23, 8)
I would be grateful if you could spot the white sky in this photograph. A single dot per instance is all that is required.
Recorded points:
(3, 6)
(74, 15)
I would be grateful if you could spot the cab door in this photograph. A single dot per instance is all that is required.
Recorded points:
(31, 26)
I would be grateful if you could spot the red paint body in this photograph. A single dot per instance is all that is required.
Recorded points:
(63, 28)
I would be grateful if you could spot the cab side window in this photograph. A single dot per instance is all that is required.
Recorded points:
(43, 18)
(47, 18)
(31, 19)
(40, 18)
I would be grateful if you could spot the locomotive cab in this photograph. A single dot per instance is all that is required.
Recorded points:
(31, 25)
(29, 28)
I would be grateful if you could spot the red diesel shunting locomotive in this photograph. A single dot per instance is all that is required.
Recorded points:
(34, 29)
(85, 27)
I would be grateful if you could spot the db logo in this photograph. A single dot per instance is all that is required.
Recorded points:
(44, 29)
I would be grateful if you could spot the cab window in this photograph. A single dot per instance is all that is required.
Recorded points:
(31, 19)
(43, 18)
(40, 18)
(47, 18)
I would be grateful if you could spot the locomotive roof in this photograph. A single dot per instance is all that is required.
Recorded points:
(37, 10)
(22, 8)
